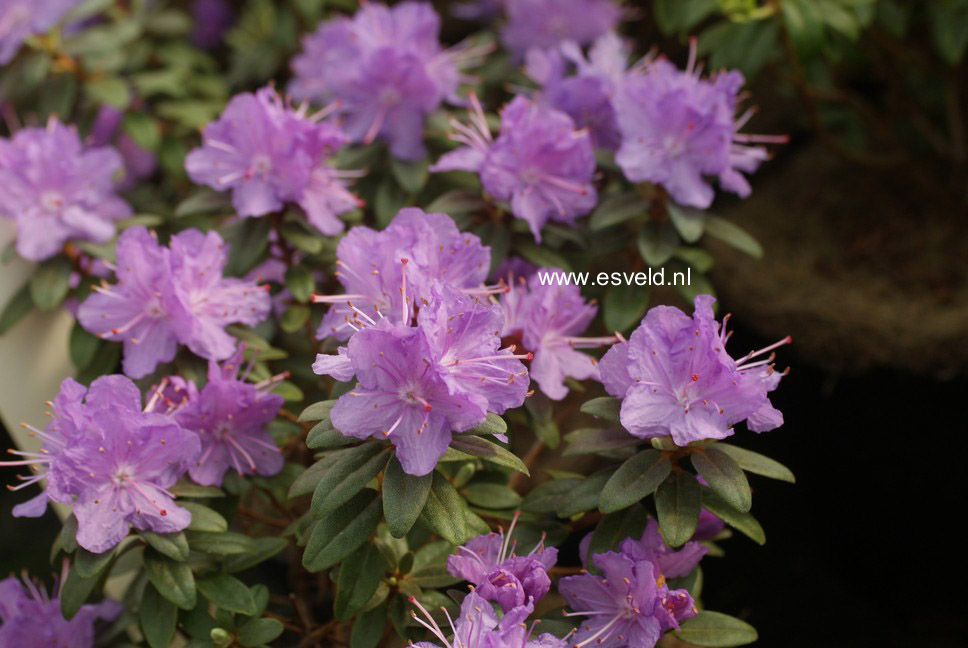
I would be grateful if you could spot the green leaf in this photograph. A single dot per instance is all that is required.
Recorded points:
(697, 258)
(68, 534)
(430, 566)
(307, 481)
(203, 201)
(624, 306)
(75, 592)
(606, 407)
(188, 489)
(724, 476)
(348, 476)
(368, 627)
(300, 282)
(17, 307)
(543, 257)
(584, 496)
(614, 528)
(109, 90)
(226, 543)
(491, 426)
(716, 630)
(457, 203)
(404, 497)
(388, 202)
(804, 23)
(324, 436)
(83, 346)
(345, 529)
(657, 243)
(492, 496)
(265, 548)
(442, 513)
(143, 129)
(173, 545)
(158, 617)
(617, 209)
(248, 240)
(294, 318)
(411, 176)
(677, 501)
(488, 451)
(638, 477)
(543, 422)
(597, 440)
(317, 411)
(734, 235)
(688, 222)
(758, 464)
(547, 496)
(949, 29)
(172, 579)
(359, 575)
(228, 593)
(204, 518)
(259, 632)
(51, 283)
(90, 565)
(745, 523)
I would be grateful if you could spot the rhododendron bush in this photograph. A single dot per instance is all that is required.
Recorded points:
(330, 347)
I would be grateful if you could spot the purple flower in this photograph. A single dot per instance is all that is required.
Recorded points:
(587, 96)
(539, 163)
(546, 23)
(671, 563)
(678, 128)
(387, 70)
(21, 19)
(477, 9)
(631, 606)
(29, 618)
(229, 415)
(371, 269)
(116, 461)
(269, 154)
(57, 190)
(169, 296)
(708, 527)
(676, 378)
(477, 626)
(548, 315)
(419, 385)
(210, 19)
(488, 561)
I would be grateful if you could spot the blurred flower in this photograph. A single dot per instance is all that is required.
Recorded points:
(229, 415)
(548, 317)
(477, 9)
(477, 626)
(21, 19)
(488, 561)
(169, 296)
(539, 162)
(57, 190)
(269, 154)
(210, 19)
(114, 459)
(386, 68)
(676, 378)
(29, 618)
(678, 128)
(547, 23)
(138, 162)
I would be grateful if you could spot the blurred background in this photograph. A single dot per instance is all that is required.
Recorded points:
(863, 223)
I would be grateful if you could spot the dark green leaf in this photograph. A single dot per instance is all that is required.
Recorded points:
(411, 176)
(368, 628)
(404, 497)
(488, 451)
(51, 283)
(617, 209)
(492, 496)
(74, 592)
(548, 496)
(300, 282)
(624, 306)
(657, 243)
(173, 545)
(172, 579)
(317, 411)
(16, 308)
(345, 529)
(688, 222)
(716, 630)
(543, 257)
(442, 513)
(596, 440)
(143, 129)
(158, 618)
(458, 202)
(359, 575)
(226, 543)
(724, 476)
(758, 464)
(606, 407)
(348, 476)
(68, 534)
(638, 477)
(188, 489)
(294, 318)
(745, 523)
(248, 240)
(259, 632)
(109, 90)
(732, 234)
(614, 528)
(88, 564)
(204, 518)
(228, 593)
(265, 548)
(677, 501)
(202, 201)
(324, 436)
(584, 496)
(307, 481)
(430, 566)
(491, 426)
(83, 346)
